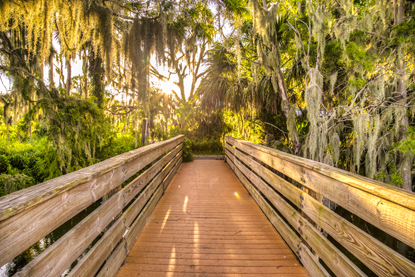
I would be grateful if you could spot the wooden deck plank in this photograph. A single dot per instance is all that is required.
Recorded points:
(206, 224)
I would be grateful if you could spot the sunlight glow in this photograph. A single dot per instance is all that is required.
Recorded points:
(165, 220)
(185, 203)
(172, 262)
(196, 234)
(195, 241)
(168, 85)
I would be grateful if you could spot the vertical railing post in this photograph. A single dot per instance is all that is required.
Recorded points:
(143, 132)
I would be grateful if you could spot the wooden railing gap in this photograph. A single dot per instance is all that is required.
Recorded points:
(282, 199)
(277, 192)
(117, 220)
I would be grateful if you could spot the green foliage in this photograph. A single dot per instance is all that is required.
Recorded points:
(116, 145)
(35, 159)
(392, 176)
(187, 150)
(359, 56)
(76, 128)
(12, 183)
(407, 144)
(4, 164)
(211, 146)
(246, 127)
(237, 7)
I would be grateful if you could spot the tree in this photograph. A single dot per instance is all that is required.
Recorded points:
(336, 70)
(190, 34)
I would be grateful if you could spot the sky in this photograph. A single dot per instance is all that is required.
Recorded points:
(76, 69)
(166, 86)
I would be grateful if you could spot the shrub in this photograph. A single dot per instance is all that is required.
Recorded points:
(211, 146)
(187, 150)
(4, 164)
(12, 183)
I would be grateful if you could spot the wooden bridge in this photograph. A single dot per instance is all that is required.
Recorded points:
(262, 213)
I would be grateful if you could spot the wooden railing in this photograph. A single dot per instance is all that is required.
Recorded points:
(29, 215)
(279, 183)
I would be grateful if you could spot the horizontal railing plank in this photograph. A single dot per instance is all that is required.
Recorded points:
(333, 257)
(313, 267)
(138, 225)
(92, 261)
(377, 256)
(132, 211)
(64, 251)
(116, 259)
(376, 210)
(385, 191)
(118, 256)
(21, 200)
(69, 198)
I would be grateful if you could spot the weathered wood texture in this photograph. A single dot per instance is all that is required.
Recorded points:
(377, 256)
(30, 225)
(377, 203)
(64, 251)
(337, 261)
(116, 259)
(16, 202)
(207, 225)
(361, 244)
(313, 267)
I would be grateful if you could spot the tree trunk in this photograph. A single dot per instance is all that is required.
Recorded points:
(68, 75)
(405, 159)
(136, 124)
(51, 82)
(143, 132)
(97, 74)
(279, 85)
(85, 71)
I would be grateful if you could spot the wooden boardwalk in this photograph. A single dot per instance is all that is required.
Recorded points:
(206, 224)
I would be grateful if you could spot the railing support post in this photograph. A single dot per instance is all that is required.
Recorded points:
(143, 132)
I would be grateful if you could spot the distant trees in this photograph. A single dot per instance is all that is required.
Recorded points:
(329, 80)
(332, 79)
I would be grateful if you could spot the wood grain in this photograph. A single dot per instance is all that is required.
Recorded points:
(21, 200)
(40, 220)
(313, 267)
(90, 264)
(385, 191)
(114, 262)
(117, 257)
(63, 252)
(377, 209)
(19, 232)
(200, 227)
(377, 256)
(334, 259)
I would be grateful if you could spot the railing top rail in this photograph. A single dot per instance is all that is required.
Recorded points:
(387, 208)
(19, 201)
(380, 189)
